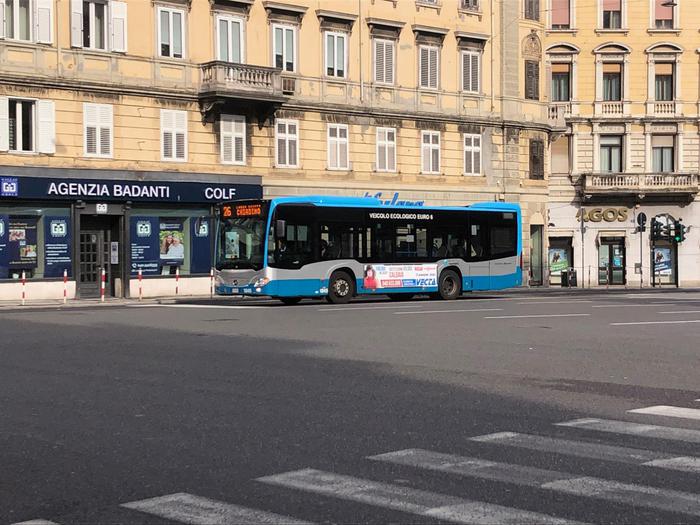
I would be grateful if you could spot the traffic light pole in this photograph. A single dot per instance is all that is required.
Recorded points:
(641, 257)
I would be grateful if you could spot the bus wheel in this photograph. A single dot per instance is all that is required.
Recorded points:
(341, 288)
(290, 300)
(400, 296)
(449, 285)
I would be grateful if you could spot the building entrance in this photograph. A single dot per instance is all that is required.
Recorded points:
(611, 261)
(99, 247)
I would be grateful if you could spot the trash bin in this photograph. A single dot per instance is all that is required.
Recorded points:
(564, 278)
(572, 278)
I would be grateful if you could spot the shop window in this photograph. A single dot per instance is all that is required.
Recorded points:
(336, 58)
(284, 47)
(338, 145)
(383, 61)
(230, 39)
(386, 149)
(171, 32)
(560, 257)
(430, 152)
(536, 255)
(287, 143)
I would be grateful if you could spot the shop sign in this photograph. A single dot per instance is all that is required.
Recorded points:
(394, 200)
(119, 190)
(603, 214)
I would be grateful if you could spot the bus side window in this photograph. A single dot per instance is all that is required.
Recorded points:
(477, 237)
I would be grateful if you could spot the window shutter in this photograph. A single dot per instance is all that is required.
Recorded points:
(466, 71)
(389, 62)
(166, 126)
(424, 67)
(117, 22)
(434, 70)
(477, 155)
(2, 19)
(476, 72)
(532, 80)
(180, 135)
(232, 130)
(90, 128)
(379, 61)
(46, 117)
(239, 140)
(468, 160)
(4, 124)
(105, 122)
(43, 20)
(76, 23)
(226, 131)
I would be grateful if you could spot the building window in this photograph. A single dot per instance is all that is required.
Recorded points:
(284, 50)
(561, 14)
(386, 149)
(98, 127)
(233, 144)
(94, 24)
(229, 35)
(561, 82)
(287, 143)
(469, 5)
(21, 125)
(663, 153)
(429, 66)
(537, 159)
(383, 61)
(472, 154)
(612, 81)
(173, 129)
(338, 147)
(336, 58)
(663, 82)
(611, 153)
(612, 14)
(171, 32)
(471, 71)
(532, 80)
(27, 126)
(430, 151)
(532, 9)
(17, 20)
(663, 14)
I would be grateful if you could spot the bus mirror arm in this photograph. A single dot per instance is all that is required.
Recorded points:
(280, 229)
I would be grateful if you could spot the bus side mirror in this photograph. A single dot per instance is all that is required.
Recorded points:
(280, 229)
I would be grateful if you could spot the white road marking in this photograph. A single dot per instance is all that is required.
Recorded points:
(556, 302)
(669, 411)
(352, 308)
(634, 429)
(36, 522)
(681, 312)
(539, 315)
(628, 305)
(655, 322)
(405, 499)
(632, 494)
(202, 306)
(593, 451)
(449, 311)
(195, 510)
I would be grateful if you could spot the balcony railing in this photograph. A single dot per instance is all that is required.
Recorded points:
(241, 79)
(665, 108)
(615, 107)
(559, 110)
(641, 182)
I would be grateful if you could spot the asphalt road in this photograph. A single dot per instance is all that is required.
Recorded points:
(502, 408)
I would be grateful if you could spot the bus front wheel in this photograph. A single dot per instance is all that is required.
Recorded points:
(290, 300)
(341, 288)
(450, 286)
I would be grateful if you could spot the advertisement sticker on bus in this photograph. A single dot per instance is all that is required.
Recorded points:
(378, 276)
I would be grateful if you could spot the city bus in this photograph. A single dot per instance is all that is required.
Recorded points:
(341, 247)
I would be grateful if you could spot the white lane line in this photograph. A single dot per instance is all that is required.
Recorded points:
(669, 411)
(36, 522)
(634, 429)
(681, 312)
(596, 451)
(555, 302)
(628, 305)
(353, 308)
(202, 306)
(539, 315)
(195, 510)
(655, 322)
(628, 493)
(449, 311)
(405, 499)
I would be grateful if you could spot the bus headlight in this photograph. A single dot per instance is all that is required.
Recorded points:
(261, 282)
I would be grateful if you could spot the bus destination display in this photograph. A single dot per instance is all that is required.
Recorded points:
(242, 210)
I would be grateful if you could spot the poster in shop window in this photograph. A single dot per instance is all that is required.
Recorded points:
(171, 235)
(662, 261)
(4, 230)
(57, 246)
(558, 260)
(379, 276)
(21, 243)
(144, 245)
(200, 228)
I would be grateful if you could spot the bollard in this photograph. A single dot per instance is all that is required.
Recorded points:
(140, 284)
(65, 286)
(211, 283)
(102, 285)
(177, 280)
(24, 285)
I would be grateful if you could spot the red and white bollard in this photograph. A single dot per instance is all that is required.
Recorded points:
(102, 285)
(24, 286)
(177, 280)
(65, 286)
(211, 283)
(140, 284)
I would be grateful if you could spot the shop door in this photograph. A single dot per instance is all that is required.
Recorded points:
(611, 261)
(94, 253)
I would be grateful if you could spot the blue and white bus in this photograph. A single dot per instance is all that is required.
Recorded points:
(338, 247)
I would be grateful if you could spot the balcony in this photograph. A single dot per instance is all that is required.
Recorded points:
(641, 183)
(241, 81)
(661, 109)
(558, 112)
(610, 108)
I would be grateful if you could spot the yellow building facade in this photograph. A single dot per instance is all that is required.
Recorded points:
(122, 118)
(622, 77)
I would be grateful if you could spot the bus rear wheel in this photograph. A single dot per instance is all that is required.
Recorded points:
(289, 301)
(341, 288)
(449, 285)
(400, 296)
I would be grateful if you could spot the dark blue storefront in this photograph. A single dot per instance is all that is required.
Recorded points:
(82, 221)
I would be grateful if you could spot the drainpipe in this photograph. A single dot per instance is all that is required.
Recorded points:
(359, 29)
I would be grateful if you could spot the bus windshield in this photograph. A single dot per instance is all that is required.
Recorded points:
(241, 238)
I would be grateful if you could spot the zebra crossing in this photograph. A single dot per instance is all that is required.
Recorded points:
(464, 508)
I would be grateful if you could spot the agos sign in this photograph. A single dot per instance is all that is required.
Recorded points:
(603, 214)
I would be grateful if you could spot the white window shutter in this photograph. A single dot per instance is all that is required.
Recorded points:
(379, 61)
(226, 133)
(118, 28)
(46, 118)
(239, 140)
(476, 72)
(424, 67)
(2, 19)
(4, 124)
(477, 155)
(166, 127)
(180, 135)
(90, 128)
(389, 62)
(105, 122)
(43, 20)
(76, 23)
(433, 61)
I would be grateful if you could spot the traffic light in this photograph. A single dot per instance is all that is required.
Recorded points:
(655, 229)
(666, 231)
(679, 231)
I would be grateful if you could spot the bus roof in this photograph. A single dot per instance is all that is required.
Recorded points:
(371, 202)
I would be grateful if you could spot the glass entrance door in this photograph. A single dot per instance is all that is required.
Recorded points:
(92, 259)
(611, 261)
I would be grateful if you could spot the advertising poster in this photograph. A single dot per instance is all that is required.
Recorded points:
(662, 261)
(57, 246)
(145, 254)
(558, 260)
(200, 254)
(4, 261)
(21, 242)
(171, 239)
(378, 276)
